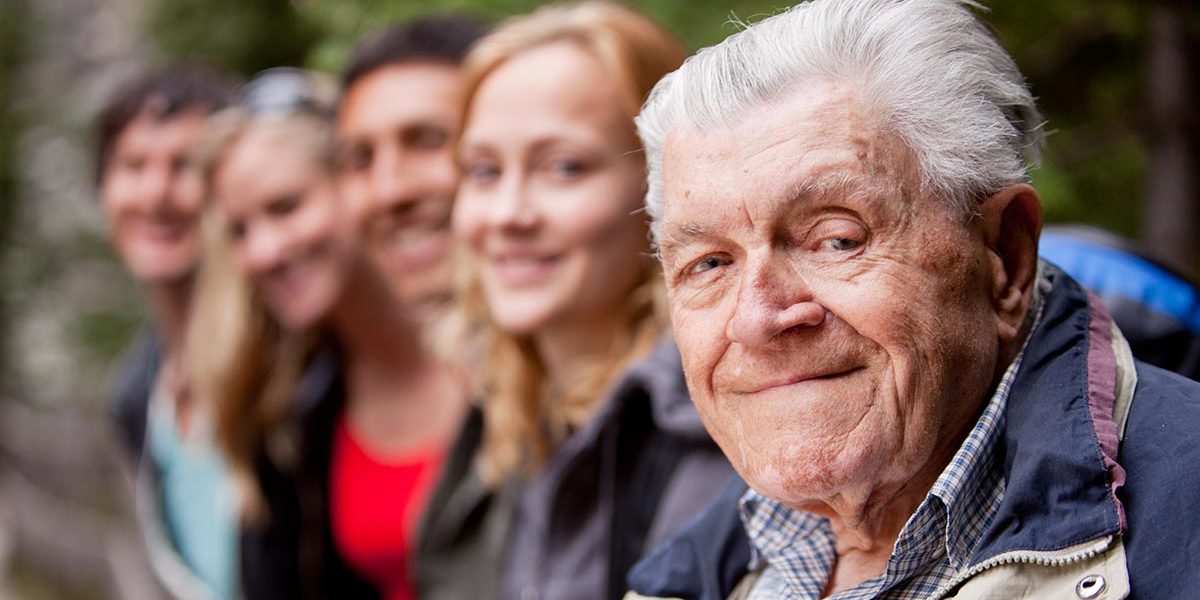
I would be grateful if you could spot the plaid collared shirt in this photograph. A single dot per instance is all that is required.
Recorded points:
(798, 548)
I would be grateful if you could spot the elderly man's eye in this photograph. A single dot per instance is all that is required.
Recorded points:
(840, 244)
(708, 263)
(836, 235)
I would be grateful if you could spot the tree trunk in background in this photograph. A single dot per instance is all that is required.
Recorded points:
(13, 30)
(1171, 208)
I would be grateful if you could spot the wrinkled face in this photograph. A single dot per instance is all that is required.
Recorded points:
(151, 196)
(395, 126)
(551, 179)
(289, 234)
(835, 325)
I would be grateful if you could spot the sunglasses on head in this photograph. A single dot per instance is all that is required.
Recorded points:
(283, 90)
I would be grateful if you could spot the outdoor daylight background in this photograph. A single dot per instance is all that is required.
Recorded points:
(1116, 78)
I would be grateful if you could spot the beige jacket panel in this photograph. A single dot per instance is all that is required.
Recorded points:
(1102, 577)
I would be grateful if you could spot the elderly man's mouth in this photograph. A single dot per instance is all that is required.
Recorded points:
(800, 379)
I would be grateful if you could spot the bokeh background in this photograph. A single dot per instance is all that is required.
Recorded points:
(1117, 79)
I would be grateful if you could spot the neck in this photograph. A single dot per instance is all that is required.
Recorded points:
(1009, 349)
(372, 326)
(169, 304)
(565, 349)
(398, 396)
(870, 522)
(867, 522)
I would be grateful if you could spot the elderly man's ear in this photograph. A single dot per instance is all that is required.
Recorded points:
(1012, 221)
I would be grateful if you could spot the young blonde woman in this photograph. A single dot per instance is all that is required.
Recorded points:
(588, 444)
(334, 416)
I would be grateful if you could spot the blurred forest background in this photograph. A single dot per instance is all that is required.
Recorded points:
(1117, 80)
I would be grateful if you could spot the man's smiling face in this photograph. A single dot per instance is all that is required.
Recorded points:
(835, 323)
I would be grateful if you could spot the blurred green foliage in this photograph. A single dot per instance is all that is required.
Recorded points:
(1083, 58)
(1084, 62)
(103, 334)
(241, 35)
(698, 23)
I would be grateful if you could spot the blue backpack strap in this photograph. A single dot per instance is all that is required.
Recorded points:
(1156, 308)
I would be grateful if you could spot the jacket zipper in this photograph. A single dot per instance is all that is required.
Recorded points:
(1034, 557)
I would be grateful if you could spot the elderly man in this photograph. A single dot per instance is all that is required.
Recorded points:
(920, 409)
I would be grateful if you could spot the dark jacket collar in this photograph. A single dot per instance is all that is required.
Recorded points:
(705, 560)
(1059, 490)
(660, 377)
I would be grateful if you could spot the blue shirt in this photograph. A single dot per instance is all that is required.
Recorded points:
(198, 500)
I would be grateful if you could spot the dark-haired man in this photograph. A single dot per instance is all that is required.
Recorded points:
(396, 122)
(151, 198)
(398, 115)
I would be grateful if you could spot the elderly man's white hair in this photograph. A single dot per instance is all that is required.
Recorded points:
(927, 70)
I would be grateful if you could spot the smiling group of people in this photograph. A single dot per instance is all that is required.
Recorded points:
(549, 311)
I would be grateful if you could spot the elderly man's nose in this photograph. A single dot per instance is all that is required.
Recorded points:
(766, 308)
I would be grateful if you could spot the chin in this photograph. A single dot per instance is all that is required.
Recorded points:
(516, 319)
(302, 312)
(163, 274)
(517, 324)
(297, 318)
(419, 288)
(794, 485)
(520, 312)
(796, 474)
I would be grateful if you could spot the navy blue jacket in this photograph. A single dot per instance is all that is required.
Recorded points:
(1067, 479)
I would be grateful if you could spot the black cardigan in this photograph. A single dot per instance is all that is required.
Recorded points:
(292, 555)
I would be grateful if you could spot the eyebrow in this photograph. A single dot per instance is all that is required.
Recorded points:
(848, 184)
(678, 236)
(813, 188)
(823, 186)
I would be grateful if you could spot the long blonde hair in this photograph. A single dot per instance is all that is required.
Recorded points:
(522, 423)
(236, 354)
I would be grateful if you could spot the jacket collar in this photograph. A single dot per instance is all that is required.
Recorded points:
(659, 376)
(1060, 444)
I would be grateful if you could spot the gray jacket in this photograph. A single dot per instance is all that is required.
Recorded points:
(627, 480)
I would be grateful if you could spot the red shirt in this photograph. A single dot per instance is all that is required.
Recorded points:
(375, 507)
